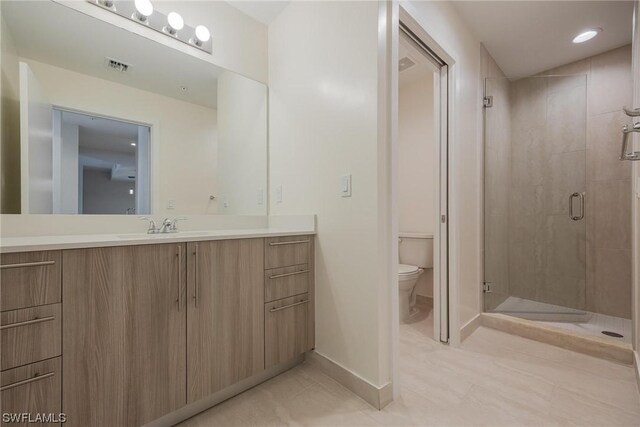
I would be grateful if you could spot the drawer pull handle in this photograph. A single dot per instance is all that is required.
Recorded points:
(27, 264)
(277, 276)
(292, 242)
(28, 322)
(288, 306)
(27, 381)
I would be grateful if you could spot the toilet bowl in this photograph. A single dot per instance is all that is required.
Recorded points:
(415, 253)
(407, 279)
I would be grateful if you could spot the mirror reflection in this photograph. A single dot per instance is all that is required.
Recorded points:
(117, 123)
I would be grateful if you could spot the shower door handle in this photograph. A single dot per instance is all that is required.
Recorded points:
(581, 215)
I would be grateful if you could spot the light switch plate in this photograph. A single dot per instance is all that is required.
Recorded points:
(171, 204)
(260, 196)
(345, 185)
(279, 194)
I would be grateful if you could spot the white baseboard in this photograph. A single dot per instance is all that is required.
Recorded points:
(378, 397)
(470, 327)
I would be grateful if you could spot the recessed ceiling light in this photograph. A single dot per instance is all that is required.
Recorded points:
(586, 35)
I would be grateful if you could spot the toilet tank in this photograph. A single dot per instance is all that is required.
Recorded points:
(416, 249)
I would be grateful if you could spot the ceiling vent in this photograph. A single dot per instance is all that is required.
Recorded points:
(405, 63)
(118, 66)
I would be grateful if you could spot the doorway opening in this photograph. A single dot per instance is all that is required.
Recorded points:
(422, 187)
(100, 165)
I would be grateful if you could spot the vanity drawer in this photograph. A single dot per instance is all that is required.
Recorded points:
(285, 325)
(29, 279)
(30, 335)
(286, 282)
(33, 389)
(287, 251)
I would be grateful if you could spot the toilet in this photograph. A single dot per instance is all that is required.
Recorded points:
(416, 254)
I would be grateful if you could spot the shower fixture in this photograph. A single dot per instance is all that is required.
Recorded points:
(171, 25)
(626, 130)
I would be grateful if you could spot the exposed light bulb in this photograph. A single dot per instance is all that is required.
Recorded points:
(131, 191)
(202, 35)
(586, 35)
(144, 9)
(174, 23)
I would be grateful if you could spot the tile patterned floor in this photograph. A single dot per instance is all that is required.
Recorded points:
(493, 379)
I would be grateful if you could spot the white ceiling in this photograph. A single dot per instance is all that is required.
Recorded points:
(262, 11)
(55, 34)
(527, 37)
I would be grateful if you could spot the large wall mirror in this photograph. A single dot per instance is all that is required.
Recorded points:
(99, 120)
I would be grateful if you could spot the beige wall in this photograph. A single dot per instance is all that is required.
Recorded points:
(564, 138)
(497, 175)
(609, 185)
(323, 94)
(9, 123)
(184, 135)
(636, 195)
(417, 165)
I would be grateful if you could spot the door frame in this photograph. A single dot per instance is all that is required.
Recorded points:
(446, 327)
(441, 119)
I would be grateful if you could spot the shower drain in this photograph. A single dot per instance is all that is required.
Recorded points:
(612, 334)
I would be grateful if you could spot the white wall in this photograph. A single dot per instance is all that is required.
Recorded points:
(242, 132)
(184, 135)
(323, 119)
(239, 41)
(9, 123)
(418, 165)
(36, 144)
(417, 157)
(445, 26)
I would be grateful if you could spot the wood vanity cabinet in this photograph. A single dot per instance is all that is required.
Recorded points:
(122, 336)
(289, 305)
(124, 354)
(225, 324)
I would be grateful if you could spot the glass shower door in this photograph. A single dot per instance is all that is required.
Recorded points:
(535, 196)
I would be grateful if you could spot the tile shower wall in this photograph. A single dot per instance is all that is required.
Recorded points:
(565, 134)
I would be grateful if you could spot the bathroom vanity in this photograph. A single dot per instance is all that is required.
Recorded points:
(150, 330)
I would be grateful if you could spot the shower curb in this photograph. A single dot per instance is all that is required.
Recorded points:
(602, 348)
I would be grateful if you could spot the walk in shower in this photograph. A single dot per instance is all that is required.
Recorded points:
(557, 205)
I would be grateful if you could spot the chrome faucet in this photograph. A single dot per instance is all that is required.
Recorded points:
(167, 226)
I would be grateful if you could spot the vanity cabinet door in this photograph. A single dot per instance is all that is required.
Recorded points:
(225, 331)
(286, 327)
(124, 334)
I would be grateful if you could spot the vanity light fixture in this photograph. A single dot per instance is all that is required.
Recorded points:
(144, 9)
(171, 24)
(586, 35)
(174, 23)
(202, 35)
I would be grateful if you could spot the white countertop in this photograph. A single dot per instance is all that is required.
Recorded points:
(44, 243)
